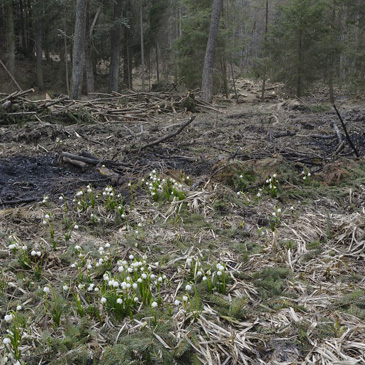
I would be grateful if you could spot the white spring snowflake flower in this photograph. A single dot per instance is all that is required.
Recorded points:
(120, 268)
(46, 289)
(103, 300)
(119, 300)
(185, 298)
(154, 304)
(8, 317)
(219, 273)
(79, 193)
(204, 278)
(135, 286)
(177, 302)
(188, 287)
(6, 341)
(33, 253)
(76, 226)
(19, 308)
(65, 287)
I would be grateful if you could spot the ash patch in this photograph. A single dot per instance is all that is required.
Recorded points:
(26, 179)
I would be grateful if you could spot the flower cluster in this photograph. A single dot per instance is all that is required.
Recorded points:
(306, 177)
(214, 276)
(272, 185)
(164, 189)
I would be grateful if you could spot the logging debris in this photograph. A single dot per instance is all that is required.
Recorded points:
(129, 106)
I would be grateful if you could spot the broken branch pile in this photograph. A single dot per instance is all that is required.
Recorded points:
(115, 107)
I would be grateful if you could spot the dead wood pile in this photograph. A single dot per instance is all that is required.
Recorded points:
(127, 106)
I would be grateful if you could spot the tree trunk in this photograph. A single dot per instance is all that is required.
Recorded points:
(157, 64)
(10, 36)
(78, 54)
(142, 48)
(207, 80)
(39, 51)
(299, 66)
(127, 62)
(115, 38)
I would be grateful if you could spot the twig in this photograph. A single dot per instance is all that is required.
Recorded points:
(347, 135)
(169, 135)
(11, 76)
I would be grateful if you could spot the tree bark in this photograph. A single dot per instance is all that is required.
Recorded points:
(142, 48)
(39, 50)
(10, 36)
(207, 79)
(115, 38)
(78, 54)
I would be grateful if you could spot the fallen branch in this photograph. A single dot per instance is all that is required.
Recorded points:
(162, 139)
(347, 135)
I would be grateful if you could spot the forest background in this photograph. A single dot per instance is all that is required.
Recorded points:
(148, 44)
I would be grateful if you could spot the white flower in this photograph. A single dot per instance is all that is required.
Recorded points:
(177, 302)
(19, 308)
(103, 300)
(139, 280)
(131, 257)
(8, 317)
(188, 261)
(39, 253)
(204, 278)
(76, 226)
(107, 245)
(73, 265)
(185, 298)
(188, 287)
(120, 268)
(154, 304)
(199, 273)
(33, 253)
(279, 210)
(144, 276)
(152, 276)
(219, 273)
(6, 341)
(77, 248)
(119, 300)
(46, 289)
(89, 267)
(61, 197)
(135, 286)
(79, 193)
(65, 287)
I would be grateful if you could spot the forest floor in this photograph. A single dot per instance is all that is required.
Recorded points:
(240, 240)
